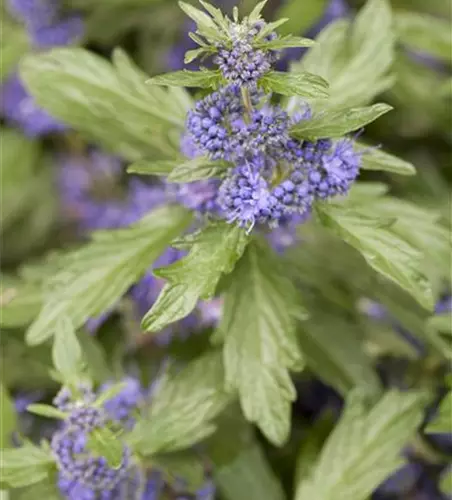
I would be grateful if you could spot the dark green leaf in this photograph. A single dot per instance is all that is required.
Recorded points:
(290, 84)
(8, 418)
(260, 346)
(338, 123)
(46, 411)
(185, 466)
(445, 483)
(375, 159)
(66, 353)
(23, 466)
(346, 468)
(96, 276)
(214, 251)
(204, 79)
(108, 103)
(442, 421)
(384, 250)
(183, 408)
(424, 33)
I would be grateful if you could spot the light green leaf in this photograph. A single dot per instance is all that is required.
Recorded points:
(442, 422)
(14, 45)
(198, 169)
(96, 276)
(441, 323)
(260, 346)
(445, 482)
(240, 468)
(23, 466)
(20, 302)
(8, 420)
(108, 103)
(66, 352)
(214, 251)
(183, 407)
(255, 14)
(94, 358)
(269, 28)
(103, 442)
(191, 55)
(184, 78)
(354, 58)
(333, 348)
(153, 167)
(184, 465)
(424, 33)
(338, 123)
(205, 24)
(302, 84)
(364, 448)
(375, 159)
(384, 250)
(46, 411)
(47, 489)
(285, 43)
(301, 15)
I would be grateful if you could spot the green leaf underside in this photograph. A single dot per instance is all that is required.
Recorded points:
(338, 123)
(364, 448)
(301, 84)
(214, 251)
(260, 347)
(375, 159)
(203, 79)
(46, 411)
(183, 408)
(95, 277)
(442, 422)
(66, 352)
(384, 250)
(108, 103)
(354, 58)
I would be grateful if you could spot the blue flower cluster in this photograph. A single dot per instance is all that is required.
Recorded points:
(47, 26)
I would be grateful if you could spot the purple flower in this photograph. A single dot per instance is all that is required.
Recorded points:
(35, 12)
(62, 32)
(19, 107)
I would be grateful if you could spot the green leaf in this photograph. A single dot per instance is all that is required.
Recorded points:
(198, 169)
(66, 352)
(384, 250)
(46, 411)
(8, 420)
(104, 443)
(191, 55)
(15, 44)
(301, 15)
(441, 323)
(334, 350)
(424, 33)
(214, 251)
(183, 408)
(285, 43)
(442, 421)
(183, 466)
(302, 84)
(94, 358)
(375, 159)
(255, 14)
(354, 58)
(204, 23)
(20, 302)
(364, 448)
(338, 123)
(152, 167)
(240, 468)
(445, 483)
(47, 489)
(23, 466)
(110, 393)
(204, 79)
(109, 104)
(260, 346)
(96, 276)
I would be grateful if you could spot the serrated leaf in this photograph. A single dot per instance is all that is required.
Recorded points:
(384, 250)
(269, 28)
(302, 84)
(97, 275)
(338, 123)
(204, 79)
(364, 448)
(217, 16)
(204, 23)
(376, 159)
(102, 442)
(8, 420)
(24, 466)
(197, 169)
(424, 33)
(183, 407)
(255, 14)
(214, 251)
(258, 331)
(191, 55)
(354, 58)
(442, 423)
(107, 103)
(46, 411)
(286, 42)
(66, 352)
(332, 348)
